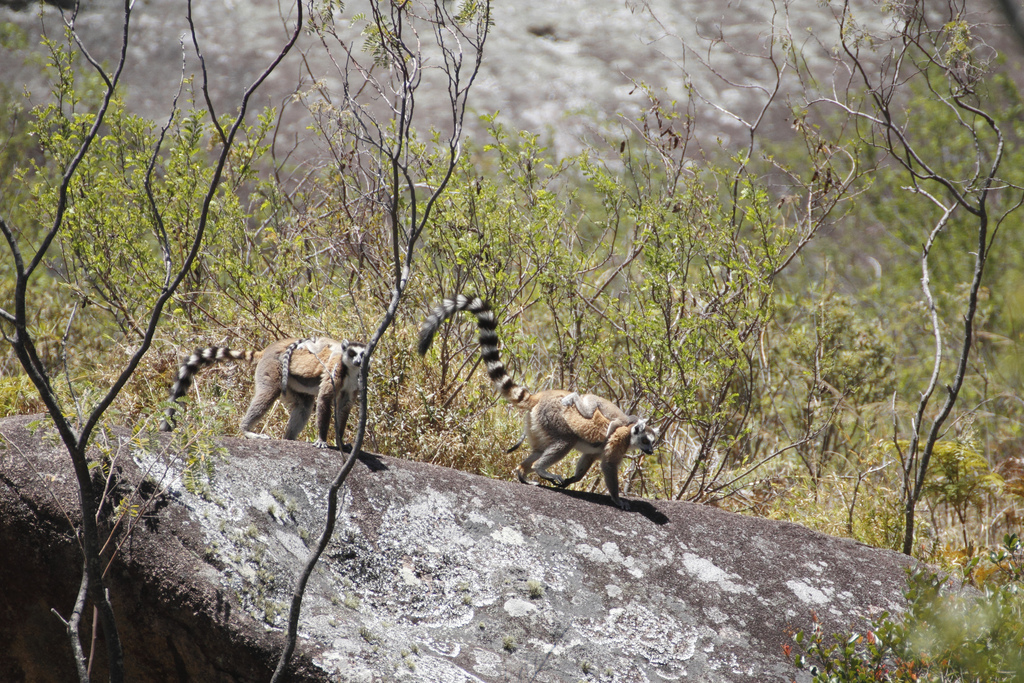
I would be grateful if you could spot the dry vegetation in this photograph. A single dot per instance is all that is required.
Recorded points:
(677, 281)
(763, 305)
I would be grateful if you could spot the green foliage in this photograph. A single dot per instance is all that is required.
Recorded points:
(18, 396)
(1008, 561)
(672, 282)
(130, 208)
(656, 296)
(845, 380)
(700, 298)
(944, 635)
(469, 11)
(869, 270)
(198, 447)
(960, 476)
(127, 210)
(959, 42)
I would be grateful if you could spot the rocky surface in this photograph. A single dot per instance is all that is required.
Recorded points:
(564, 70)
(432, 575)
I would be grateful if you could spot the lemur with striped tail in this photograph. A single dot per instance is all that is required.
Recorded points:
(556, 421)
(300, 372)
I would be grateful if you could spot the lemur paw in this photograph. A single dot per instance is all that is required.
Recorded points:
(320, 443)
(552, 478)
(254, 435)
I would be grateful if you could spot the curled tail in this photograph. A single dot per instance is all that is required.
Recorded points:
(199, 359)
(487, 325)
(286, 361)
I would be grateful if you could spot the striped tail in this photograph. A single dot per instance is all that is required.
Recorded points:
(199, 359)
(487, 324)
(286, 361)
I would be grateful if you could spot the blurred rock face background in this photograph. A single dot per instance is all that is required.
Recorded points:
(569, 71)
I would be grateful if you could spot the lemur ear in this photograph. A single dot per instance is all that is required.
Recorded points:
(344, 344)
(640, 426)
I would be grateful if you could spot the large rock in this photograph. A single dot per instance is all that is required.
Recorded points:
(432, 575)
(558, 69)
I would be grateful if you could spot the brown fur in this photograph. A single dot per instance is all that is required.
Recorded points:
(556, 421)
(560, 422)
(319, 371)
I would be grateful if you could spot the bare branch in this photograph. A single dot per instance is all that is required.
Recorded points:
(394, 165)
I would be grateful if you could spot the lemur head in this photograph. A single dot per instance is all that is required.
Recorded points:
(643, 437)
(352, 353)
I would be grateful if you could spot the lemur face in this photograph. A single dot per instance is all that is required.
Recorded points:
(642, 437)
(353, 353)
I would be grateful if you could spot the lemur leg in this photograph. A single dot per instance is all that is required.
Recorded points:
(582, 467)
(526, 466)
(342, 409)
(610, 469)
(551, 455)
(263, 398)
(539, 460)
(324, 406)
(299, 407)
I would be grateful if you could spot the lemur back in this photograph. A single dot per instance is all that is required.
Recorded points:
(301, 372)
(556, 422)
(599, 417)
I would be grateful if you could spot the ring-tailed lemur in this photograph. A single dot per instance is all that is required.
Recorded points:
(299, 371)
(556, 421)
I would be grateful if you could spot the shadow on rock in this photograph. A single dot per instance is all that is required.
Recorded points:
(636, 505)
